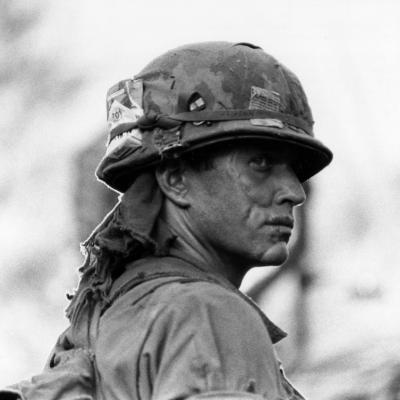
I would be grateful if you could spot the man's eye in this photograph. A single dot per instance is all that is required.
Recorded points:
(260, 163)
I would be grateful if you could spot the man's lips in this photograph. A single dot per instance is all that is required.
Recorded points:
(281, 221)
(280, 228)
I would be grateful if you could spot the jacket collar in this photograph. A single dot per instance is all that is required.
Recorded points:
(178, 264)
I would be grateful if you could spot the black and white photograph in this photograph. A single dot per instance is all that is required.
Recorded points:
(199, 200)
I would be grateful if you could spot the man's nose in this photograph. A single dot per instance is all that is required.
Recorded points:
(290, 189)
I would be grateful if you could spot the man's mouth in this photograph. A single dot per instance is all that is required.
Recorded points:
(280, 228)
(282, 221)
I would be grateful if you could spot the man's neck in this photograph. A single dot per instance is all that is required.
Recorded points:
(190, 244)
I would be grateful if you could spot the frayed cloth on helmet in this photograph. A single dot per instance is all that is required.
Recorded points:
(124, 235)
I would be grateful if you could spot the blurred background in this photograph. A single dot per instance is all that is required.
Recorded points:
(338, 295)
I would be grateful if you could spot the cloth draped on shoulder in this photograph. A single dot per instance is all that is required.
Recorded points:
(124, 235)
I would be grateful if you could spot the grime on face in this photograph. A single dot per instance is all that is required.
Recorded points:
(243, 206)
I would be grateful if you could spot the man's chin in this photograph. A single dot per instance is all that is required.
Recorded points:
(277, 254)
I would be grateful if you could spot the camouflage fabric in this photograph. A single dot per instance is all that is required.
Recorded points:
(202, 94)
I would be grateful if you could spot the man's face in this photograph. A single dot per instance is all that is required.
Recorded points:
(243, 208)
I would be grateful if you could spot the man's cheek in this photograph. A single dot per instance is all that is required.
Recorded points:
(256, 217)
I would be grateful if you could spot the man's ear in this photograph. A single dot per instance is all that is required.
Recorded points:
(173, 182)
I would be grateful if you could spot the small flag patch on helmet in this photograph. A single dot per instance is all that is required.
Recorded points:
(269, 122)
(264, 99)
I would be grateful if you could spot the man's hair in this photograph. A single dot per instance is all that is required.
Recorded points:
(202, 159)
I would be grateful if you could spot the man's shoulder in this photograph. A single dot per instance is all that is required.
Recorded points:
(182, 291)
(169, 283)
(170, 302)
(185, 292)
(167, 276)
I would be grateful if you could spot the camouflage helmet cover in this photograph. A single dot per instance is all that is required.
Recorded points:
(201, 94)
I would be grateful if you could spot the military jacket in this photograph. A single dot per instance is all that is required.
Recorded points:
(186, 333)
(171, 330)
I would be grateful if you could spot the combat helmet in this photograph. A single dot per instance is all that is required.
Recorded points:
(201, 94)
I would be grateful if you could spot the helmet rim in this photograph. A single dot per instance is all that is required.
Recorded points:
(313, 155)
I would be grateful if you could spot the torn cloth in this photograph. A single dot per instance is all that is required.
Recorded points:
(124, 235)
(131, 220)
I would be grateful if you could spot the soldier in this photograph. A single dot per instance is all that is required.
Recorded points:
(209, 146)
